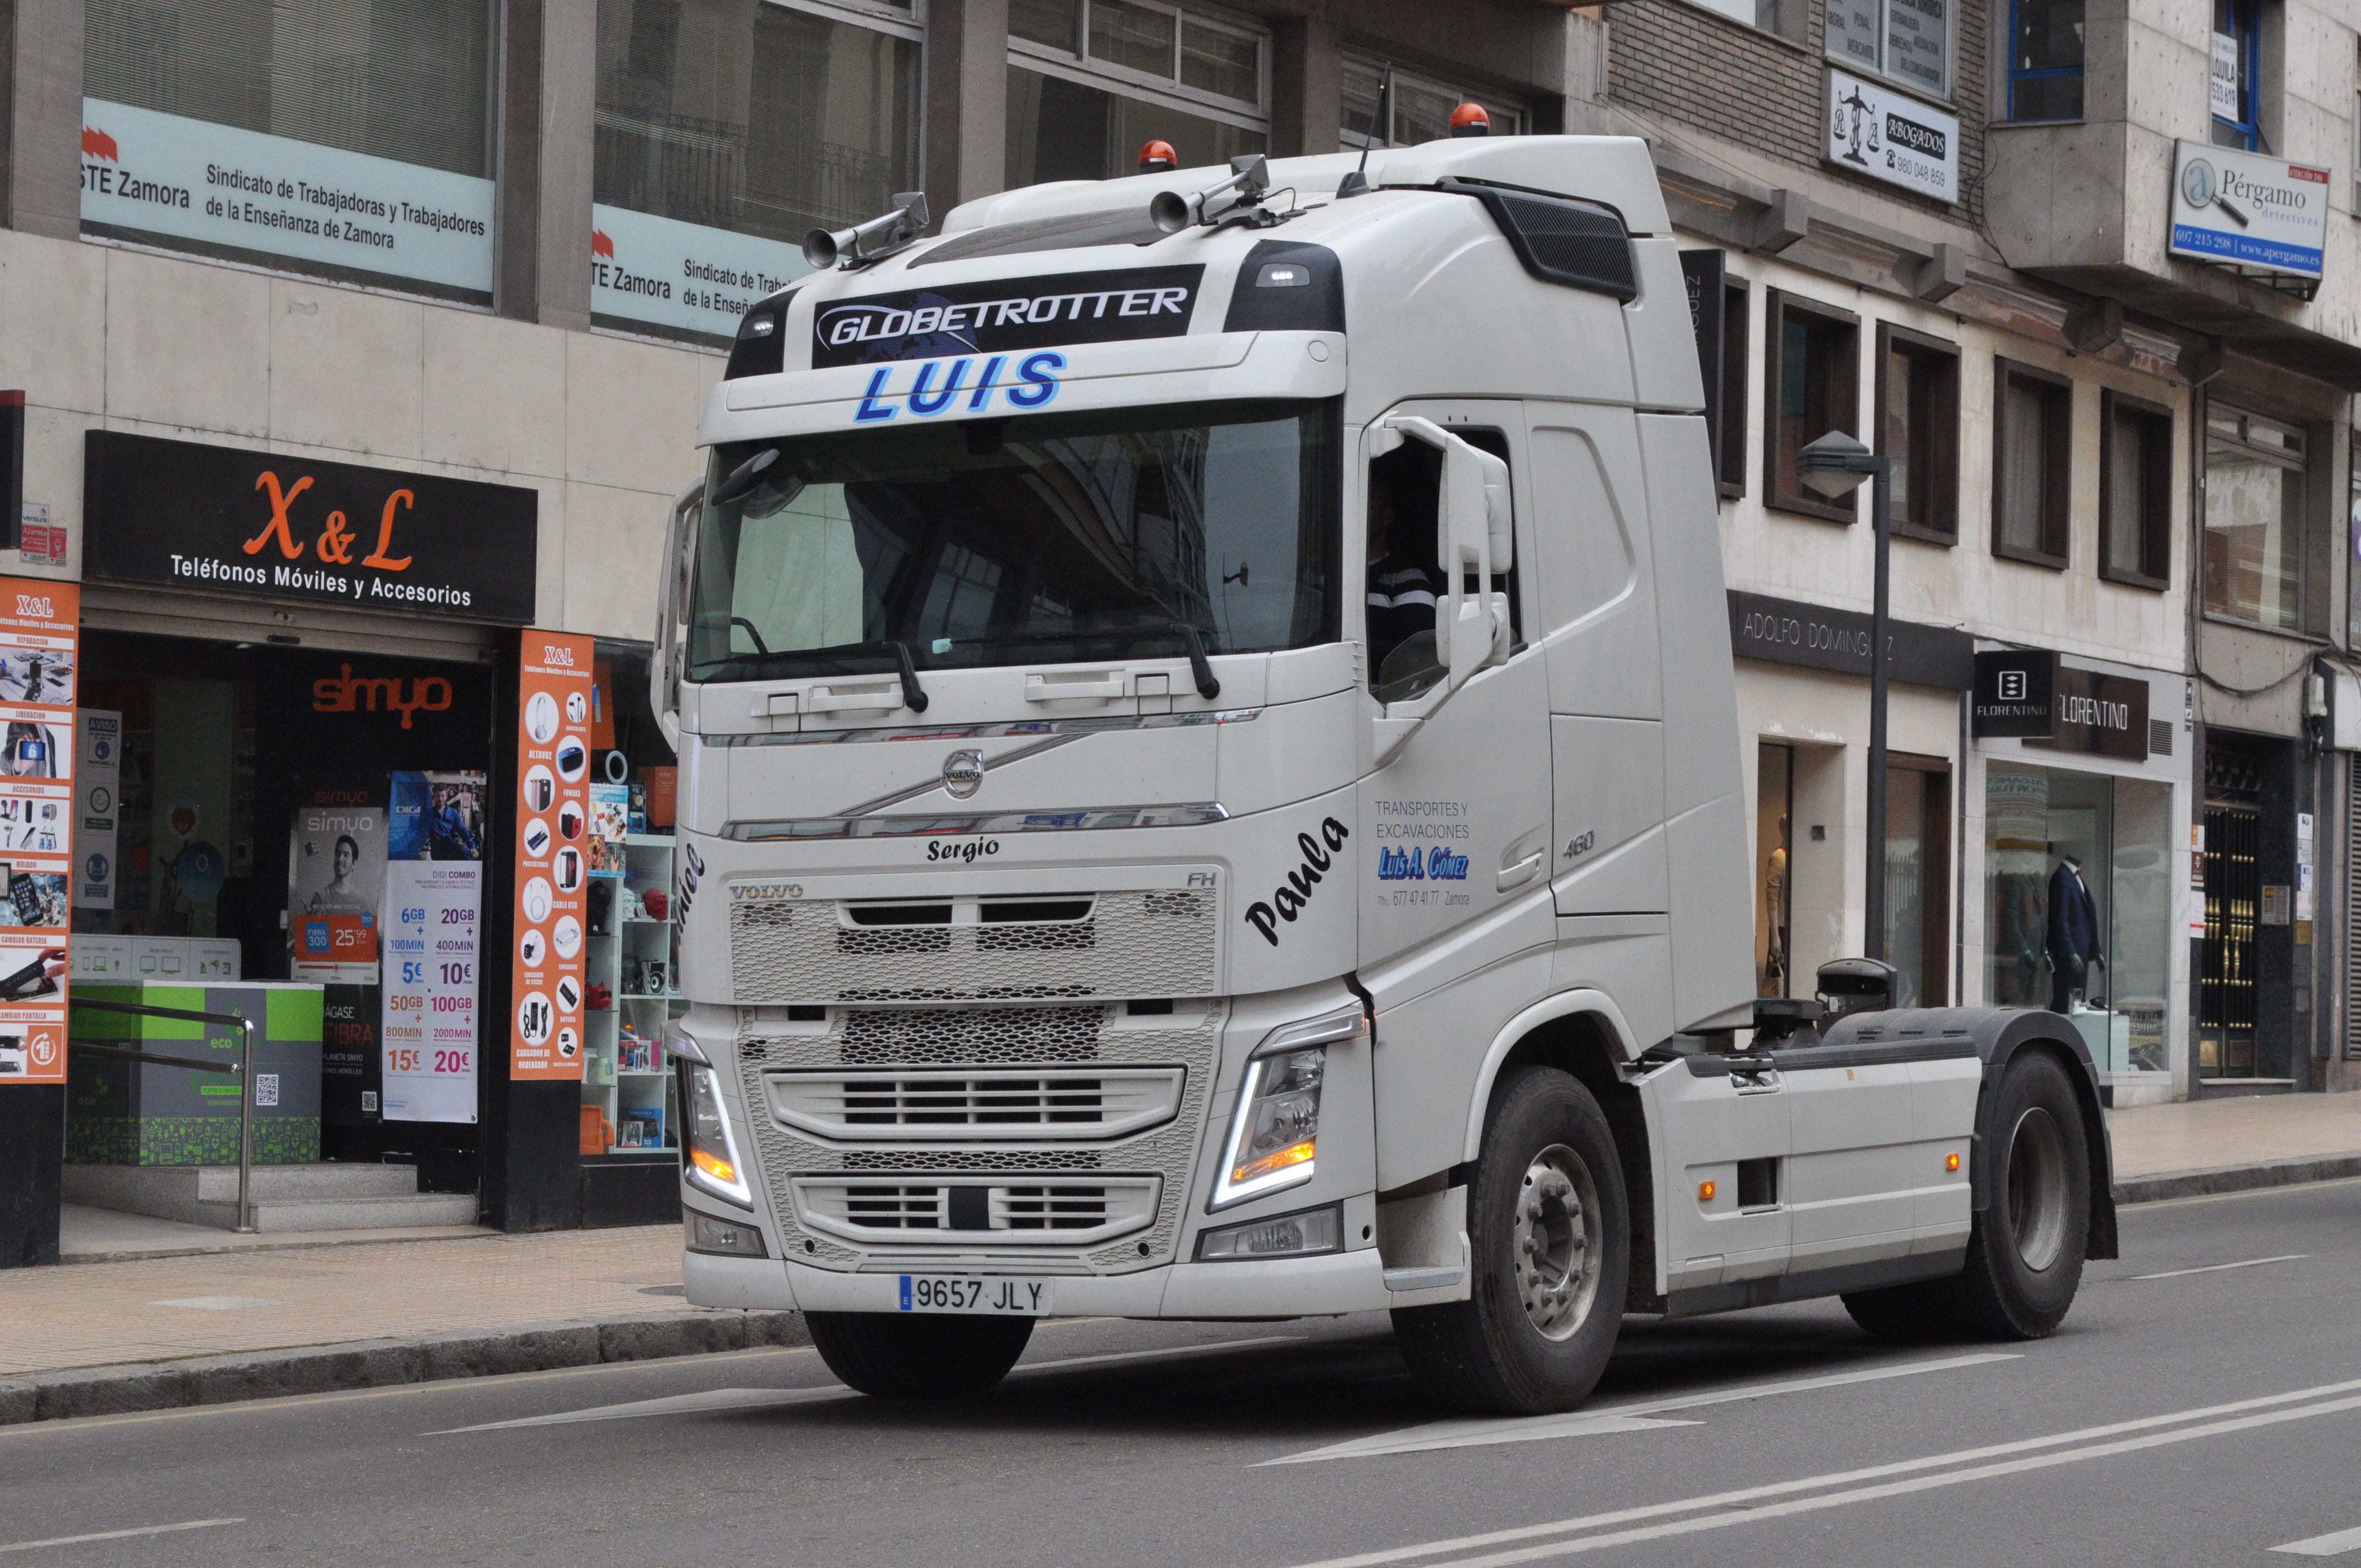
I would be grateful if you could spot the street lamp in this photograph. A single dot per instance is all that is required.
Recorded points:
(1834, 467)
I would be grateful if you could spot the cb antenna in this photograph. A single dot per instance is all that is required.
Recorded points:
(1356, 184)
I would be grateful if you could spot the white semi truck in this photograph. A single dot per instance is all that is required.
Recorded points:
(1210, 788)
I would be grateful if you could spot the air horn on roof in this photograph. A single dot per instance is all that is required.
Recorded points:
(873, 241)
(1249, 174)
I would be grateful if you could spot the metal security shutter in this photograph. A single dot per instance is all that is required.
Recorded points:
(221, 618)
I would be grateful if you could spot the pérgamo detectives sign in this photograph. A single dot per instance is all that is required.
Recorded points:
(2247, 210)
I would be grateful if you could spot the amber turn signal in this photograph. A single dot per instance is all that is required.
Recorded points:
(1950, 1162)
(1705, 1191)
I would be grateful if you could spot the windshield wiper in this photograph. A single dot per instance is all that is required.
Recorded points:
(767, 664)
(914, 695)
(1199, 665)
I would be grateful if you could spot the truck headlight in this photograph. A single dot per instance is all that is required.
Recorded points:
(1275, 1131)
(710, 1155)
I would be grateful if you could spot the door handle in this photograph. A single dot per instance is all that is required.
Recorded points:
(1040, 688)
(1521, 871)
(820, 700)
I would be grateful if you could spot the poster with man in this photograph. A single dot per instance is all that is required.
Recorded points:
(335, 883)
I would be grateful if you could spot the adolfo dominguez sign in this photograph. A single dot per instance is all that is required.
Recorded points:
(1788, 631)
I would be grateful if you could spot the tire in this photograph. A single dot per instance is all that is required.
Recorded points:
(893, 1355)
(1532, 1341)
(2024, 1253)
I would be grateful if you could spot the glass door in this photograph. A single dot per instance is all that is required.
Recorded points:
(2225, 1028)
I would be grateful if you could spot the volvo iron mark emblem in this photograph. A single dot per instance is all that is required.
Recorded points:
(962, 774)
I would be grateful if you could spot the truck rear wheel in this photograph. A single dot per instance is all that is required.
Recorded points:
(2024, 1254)
(1550, 1236)
(897, 1355)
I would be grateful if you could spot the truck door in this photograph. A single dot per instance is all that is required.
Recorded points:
(1457, 825)
(1722, 1139)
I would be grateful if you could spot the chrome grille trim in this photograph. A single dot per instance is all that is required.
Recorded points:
(1045, 1211)
(902, 1105)
(1194, 814)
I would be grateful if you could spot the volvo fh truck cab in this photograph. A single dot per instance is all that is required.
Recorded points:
(1211, 789)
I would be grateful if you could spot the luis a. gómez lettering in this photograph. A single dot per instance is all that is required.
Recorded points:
(938, 383)
(1438, 864)
(1293, 893)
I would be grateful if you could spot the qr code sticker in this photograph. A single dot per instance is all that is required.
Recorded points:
(265, 1089)
(368, 1099)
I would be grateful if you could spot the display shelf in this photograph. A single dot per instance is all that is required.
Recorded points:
(630, 936)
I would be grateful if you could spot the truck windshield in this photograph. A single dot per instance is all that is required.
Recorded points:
(1049, 538)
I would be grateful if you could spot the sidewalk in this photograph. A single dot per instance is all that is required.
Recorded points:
(257, 1317)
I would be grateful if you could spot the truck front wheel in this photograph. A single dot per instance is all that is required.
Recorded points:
(1551, 1241)
(897, 1355)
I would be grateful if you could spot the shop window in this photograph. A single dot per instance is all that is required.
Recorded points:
(1422, 107)
(2098, 850)
(1811, 386)
(1090, 81)
(1730, 441)
(2134, 491)
(1785, 17)
(1918, 879)
(762, 119)
(2254, 519)
(2044, 60)
(2033, 451)
(1918, 426)
(1775, 847)
(2234, 81)
(409, 80)
(1907, 40)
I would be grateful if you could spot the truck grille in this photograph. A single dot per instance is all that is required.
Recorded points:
(907, 1105)
(1103, 1108)
(1055, 1214)
(1139, 942)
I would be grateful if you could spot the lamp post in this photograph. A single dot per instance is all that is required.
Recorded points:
(1834, 467)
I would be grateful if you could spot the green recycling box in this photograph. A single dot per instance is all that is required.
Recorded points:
(122, 1113)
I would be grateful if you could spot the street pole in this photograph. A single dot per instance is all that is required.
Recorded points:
(1881, 504)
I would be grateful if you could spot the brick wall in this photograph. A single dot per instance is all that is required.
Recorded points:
(1689, 68)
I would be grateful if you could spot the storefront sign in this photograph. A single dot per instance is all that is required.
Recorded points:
(1705, 274)
(39, 667)
(551, 860)
(264, 526)
(1788, 631)
(2248, 210)
(2101, 716)
(1876, 131)
(98, 782)
(194, 180)
(2014, 694)
(669, 273)
(434, 904)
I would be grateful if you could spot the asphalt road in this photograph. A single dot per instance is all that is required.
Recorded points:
(2199, 1406)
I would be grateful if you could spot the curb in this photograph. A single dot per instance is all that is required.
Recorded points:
(2171, 1184)
(377, 1363)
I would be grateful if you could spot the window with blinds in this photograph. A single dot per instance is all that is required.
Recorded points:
(762, 119)
(409, 79)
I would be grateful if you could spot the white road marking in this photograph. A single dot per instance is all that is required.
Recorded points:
(216, 1303)
(713, 1399)
(2336, 1545)
(1610, 1418)
(117, 1534)
(2218, 1267)
(1744, 1495)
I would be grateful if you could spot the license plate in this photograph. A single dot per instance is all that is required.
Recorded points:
(996, 1295)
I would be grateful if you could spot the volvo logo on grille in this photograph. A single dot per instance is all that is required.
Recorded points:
(962, 774)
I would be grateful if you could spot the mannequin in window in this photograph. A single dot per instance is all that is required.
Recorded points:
(1404, 489)
(2073, 933)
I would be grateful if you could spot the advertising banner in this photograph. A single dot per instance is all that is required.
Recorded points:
(265, 526)
(242, 189)
(1876, 131)
(553, 860)
(669, 273)
(40, 666)
(336, 884)
(2248, 209)
(98, 779)
(434, 904)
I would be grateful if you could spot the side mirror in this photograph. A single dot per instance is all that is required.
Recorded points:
(673, 589)
(1475, 539)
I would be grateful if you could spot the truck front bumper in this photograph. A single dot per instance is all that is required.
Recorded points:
(1273, 1287)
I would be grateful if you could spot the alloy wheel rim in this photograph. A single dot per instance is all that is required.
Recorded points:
(2037, 1189)
(1557, 1243)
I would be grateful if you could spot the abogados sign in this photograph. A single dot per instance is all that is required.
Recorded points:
(265, 526)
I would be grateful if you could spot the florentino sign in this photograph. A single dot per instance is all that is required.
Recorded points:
(260, 525)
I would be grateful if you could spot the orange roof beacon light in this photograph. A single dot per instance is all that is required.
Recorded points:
(1470, 120)
(1158, 158)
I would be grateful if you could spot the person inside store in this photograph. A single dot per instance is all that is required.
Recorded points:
(342, 895)
(2073, 936)
(1402, 578)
